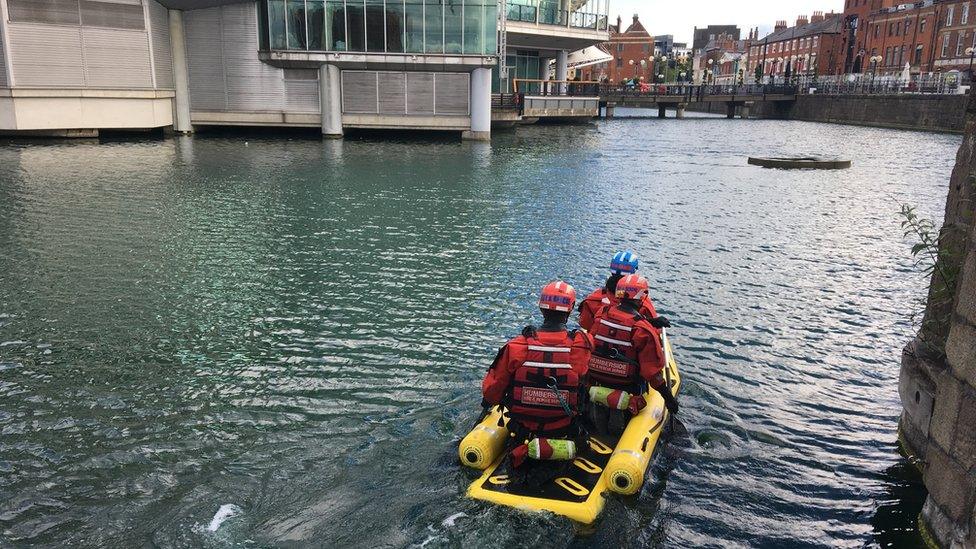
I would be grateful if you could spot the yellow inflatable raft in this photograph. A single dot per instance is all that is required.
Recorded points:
(577, 491)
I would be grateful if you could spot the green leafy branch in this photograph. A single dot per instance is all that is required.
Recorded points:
(932, 259)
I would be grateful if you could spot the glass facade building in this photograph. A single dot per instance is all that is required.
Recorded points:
(381, 26)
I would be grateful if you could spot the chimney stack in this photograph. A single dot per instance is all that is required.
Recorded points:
(780, 25)
(817, 17)
(620, 22)
(802, 20)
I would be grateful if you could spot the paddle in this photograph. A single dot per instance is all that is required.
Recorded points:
(677, 427)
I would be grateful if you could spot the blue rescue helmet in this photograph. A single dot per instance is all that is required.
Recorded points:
(624, 263)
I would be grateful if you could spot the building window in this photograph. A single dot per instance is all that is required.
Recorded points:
(620, 62)
(921, 26)
(945, 45)
(959, 43)
(412, 26)
(964, 16)
(918, 54)
(620, 48)
(950, 14)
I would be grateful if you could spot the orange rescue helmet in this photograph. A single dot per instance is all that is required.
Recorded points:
(633, 287)
(558, 296)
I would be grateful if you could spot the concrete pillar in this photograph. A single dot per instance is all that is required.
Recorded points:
(610, 107)
(746, 109)
(562, 69)
(662, 111)
(181, 107)
(331, 100)
(681, 110)
(546, 77)
(480, 106)
(731, 110)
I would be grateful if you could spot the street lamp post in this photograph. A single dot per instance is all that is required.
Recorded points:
(875, 61)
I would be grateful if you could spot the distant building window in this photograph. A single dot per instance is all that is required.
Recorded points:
(964, 16)
(620, 62)
(945, 45)
(918, 54)
(959, 43)
(921, 26)
(620, 48)
(950, 14)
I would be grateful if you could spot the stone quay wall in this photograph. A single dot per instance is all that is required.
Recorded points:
(939, 113)
(938, 372)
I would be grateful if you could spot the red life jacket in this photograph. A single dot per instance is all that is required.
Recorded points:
(532, 400)
(614, 362)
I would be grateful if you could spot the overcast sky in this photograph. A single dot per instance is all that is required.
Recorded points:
(680, 18)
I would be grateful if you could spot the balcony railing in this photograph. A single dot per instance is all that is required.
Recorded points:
(543, 13)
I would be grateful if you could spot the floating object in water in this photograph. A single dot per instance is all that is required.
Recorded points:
(801, 163)
(225, 512)
(572, 489)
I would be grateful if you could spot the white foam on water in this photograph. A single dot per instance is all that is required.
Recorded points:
(449, 521)
(226, 511)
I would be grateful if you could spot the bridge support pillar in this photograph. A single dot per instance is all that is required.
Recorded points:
(662, 111)
(730, 113)
(681, 110)
(609, 110)
(746, 109)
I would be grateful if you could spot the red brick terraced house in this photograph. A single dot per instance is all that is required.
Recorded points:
(811, 47)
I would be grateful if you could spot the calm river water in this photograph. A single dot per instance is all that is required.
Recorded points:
(298, 329)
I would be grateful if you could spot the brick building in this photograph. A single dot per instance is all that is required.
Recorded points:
(811, 47)
(855, 32)
(899, 35)
(723, 60)
(931, 36)
(705, 35)
(956, 33)
(633, 55)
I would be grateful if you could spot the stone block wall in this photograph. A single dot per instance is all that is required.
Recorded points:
(941, 113)
(938, 389)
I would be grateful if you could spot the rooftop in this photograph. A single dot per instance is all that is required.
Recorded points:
(831, 25)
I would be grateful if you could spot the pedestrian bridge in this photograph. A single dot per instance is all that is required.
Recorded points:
(550, 99)
(680, 96)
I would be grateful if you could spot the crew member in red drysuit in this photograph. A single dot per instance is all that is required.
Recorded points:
(540, 376)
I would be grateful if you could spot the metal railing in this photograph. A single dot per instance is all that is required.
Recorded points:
(548, 88)
(507, 101)
(867, 84)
